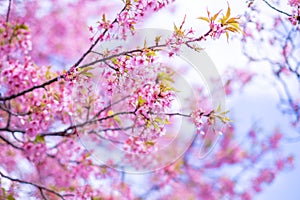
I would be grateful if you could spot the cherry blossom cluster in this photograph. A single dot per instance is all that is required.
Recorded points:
(15, 38)
(150, 97)
(295, 18)
(135, 145)
(294, 3)
(35, 153)
(219, 26)
(126, 20)
(19, 76)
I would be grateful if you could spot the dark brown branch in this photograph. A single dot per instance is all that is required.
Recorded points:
(11, 130)
(4, 108)
(154, 47)
(96, 42)
(116, 55)
(42, 194)
(40, 187)
(31, 89)
(8, 10)
(72, 129)
(110, 66)
(104, 138)
(173, 114)
(110, 105)
(10, 143)
(9, 117)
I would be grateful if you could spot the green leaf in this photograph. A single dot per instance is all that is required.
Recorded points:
(85, 71)
(219, 109)
(141, 101)
(39, 139)
(225, 112)
(114, 61)
(158, 120)
(149, 143)
(157, 39)
(48, 75)
(232, 20)
(148, 123)
(178, 31)
(204, 19)
(227, 35)
(118, 119)
(150, 53)
(88, 74)
(163, 76)
(97, 198)
(23, 26)
(236, 27)
(56, 96)
(10, 197)
(3, 191)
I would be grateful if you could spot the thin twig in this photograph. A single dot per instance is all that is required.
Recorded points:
(4, 108)
(11, 130)
(280, 11)
(10, 143)
(74, 127)
(172, 114)
(109, 106)
(153, 48)
(8, 10)
(43, 195)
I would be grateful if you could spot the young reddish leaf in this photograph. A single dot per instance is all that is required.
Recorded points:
(215, 16)
(232, 20)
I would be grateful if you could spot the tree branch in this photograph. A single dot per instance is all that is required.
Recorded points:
(10, 143)
(280, 11)
(40, 187)
(154, 48)
(8, 10)
(74, 127)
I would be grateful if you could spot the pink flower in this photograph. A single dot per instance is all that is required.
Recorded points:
(32, 129)
(274, 140)
(197, 118)
(294, 3)
(217, 30)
